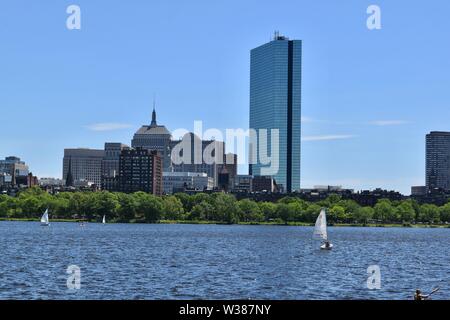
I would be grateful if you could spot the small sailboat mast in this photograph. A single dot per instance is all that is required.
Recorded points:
(104, 219)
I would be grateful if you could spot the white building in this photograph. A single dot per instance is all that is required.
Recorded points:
(179, 181)
(51, 182)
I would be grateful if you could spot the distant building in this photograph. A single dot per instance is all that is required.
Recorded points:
(5, 180)
(84, 185)
(139, 170)
(371, 197)
(227, 172)
(110, 162)
(190, 154)
(181, 181)
(154, 137)
(51, 182)
(275, 103)
(15, 168)
(264, 184)
(224, 182)
(419, 191)
(32, 181)
(438, 160)
(110, 165)
(328, 188)
(434, 196)
(243, 183)
(82, 166)
(191, 148)
(110, 183)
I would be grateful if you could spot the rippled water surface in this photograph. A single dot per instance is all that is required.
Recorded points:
(133, 261)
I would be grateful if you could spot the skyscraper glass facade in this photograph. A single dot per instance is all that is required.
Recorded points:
(275, 103)
(438, 160)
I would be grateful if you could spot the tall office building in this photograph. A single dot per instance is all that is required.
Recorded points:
(140, 170)
(15, 170)
(196, 161)
(275, 103)
(82, 166)
(438, 160)
(110, 164)
(154, 137)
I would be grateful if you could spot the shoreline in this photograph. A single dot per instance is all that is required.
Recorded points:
(205, 222)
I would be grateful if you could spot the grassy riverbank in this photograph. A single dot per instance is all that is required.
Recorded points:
(274, 223)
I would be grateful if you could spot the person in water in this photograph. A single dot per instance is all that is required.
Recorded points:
(419, 296)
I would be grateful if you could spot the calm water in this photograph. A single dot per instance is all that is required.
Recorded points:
(121, 261)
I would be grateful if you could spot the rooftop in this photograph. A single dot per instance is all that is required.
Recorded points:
(153, 128)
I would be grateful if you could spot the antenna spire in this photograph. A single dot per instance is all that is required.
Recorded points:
(154, 124)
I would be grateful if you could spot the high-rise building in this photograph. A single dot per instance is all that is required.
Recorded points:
(438, 160)
(154, 137)
(275, 103)
(110, 164)
(197, 155)
(17, 169)
(82, 166)
(140, 170)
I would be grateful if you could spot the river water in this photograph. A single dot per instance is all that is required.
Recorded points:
(139, 261)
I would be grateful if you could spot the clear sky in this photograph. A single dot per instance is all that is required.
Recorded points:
(369, 97)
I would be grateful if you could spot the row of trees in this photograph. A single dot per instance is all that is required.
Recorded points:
(219, 207)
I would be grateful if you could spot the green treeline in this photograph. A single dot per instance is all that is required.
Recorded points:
(218, 207)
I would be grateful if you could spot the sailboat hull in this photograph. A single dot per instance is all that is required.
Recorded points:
(324, 247)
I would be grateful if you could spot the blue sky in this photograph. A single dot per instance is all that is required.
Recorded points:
(369, 97)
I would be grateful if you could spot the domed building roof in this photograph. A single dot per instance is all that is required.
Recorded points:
(153, 128)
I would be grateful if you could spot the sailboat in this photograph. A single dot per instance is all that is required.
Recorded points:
(44, 219)
(320, 231)
(104, 219)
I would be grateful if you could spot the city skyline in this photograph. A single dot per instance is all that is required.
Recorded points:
(362, 127)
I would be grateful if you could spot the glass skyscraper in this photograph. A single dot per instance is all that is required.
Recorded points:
(275, 103)
(438, 160)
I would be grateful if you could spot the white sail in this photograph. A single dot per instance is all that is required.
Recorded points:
(104, 220)
(44, 218)
(320, 230)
